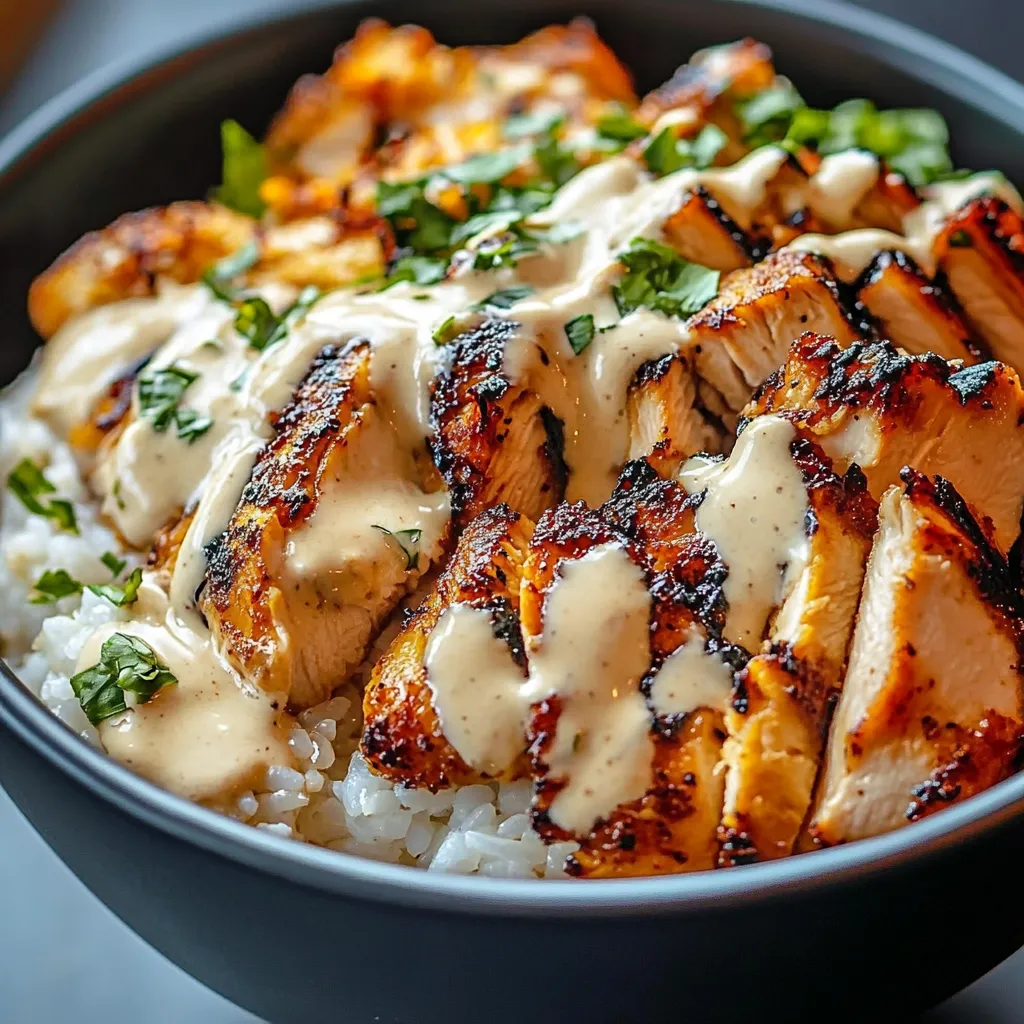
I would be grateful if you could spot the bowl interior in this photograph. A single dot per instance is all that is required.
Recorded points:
(156, 139)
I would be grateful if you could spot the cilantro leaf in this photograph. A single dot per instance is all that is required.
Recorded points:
(618, 126)
(446, 330)
(504, 298)
(218, 277)
(191, 425)
(262, 327)
(766, 115)
(113, 563)
(244, 168)
(519, 126)
(54, 584)
(487, 168)
(665, 153)
(658, 278)
(408, 541)
(120, 595)
(418, 269)
(28, 484)
(556, 161)
(580, 332)
(127, 665)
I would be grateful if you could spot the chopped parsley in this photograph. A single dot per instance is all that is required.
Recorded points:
(29, 485)
(580, 332)
(506, 298)
(262, 327)
(219, 277)
(54, 584)
(658, 278)
(617, 126)
(520, 126)
(160, 395)
(408, 541)
(912, 141)
(244, 168)
(127, 665)
(492, 214)
(665, 153)
(113, 563)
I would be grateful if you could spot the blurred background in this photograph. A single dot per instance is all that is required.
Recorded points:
(64, 959)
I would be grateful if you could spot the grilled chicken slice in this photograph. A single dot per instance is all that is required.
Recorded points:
(777, 719)
(931, 707)
(300, 579)
(884, 410)
(666, 423)
(414, 729)
(494, 441)
(706, 89)
(669, 823)
(702, 232)
(913, 312)
(757, 314)
(180, 242)
(853, 189)
(981, 251)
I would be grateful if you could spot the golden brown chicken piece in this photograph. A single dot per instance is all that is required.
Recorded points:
(666, 423)
(884, 410)
(981, 251)
(494, 441)
(294, 590)
(708, 87)
(779, 714)
(181, 241)
(702, 232)
(757, 314)
(671, 826)
(403, 737)
(433, 105)
(912, 311)
(931, 707)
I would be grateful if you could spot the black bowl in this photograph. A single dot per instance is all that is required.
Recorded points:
(298, 934)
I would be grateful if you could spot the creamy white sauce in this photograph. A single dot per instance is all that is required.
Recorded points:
(754, 509)
(691, 677)
(840, 183)
(852, 251)
(207, 737)
(476, 689)
(591, 655)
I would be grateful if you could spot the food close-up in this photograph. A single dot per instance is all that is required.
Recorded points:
(502, 473)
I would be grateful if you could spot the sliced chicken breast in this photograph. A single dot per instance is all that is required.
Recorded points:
(335, 526)
(777, 719)
(931, 707)
(418, 713)
(981, 251)
(912, 311)
(494, 441)
(702, 232)
(879, 408)
(758, 313)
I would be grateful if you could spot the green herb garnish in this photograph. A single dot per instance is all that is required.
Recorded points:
(618, 126)
(580, 332)
(418, 269)
(506, 298)
(120, 594)
(658, 278)
(665, 153)
(54, 584)
(113, 563)
(446, 330)
(160, 394)
(29, 485)
(262, 327)
(519, 126)
(218, 278)
(767, 115)
(408, 541)
(244, 169)
(127, 665)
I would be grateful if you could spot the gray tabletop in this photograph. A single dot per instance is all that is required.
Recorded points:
(57, 941)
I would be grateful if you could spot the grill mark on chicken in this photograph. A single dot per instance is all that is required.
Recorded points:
(490, 437)
(402, 734)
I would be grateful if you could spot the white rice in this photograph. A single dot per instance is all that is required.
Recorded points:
(330, 798)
